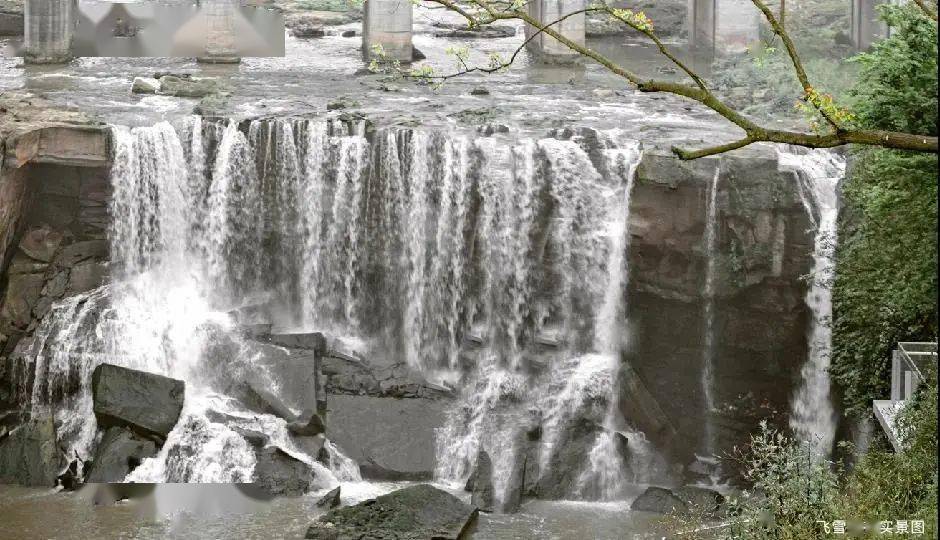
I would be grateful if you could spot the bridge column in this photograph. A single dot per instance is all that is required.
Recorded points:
(220, 32)
(867, 28)
(48, 31)
(547, 12)
(722, 26)
(387, 24)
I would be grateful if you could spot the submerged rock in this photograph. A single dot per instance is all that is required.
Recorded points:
(119, 453)
(147, 403)
(28, 454)
(416, 512)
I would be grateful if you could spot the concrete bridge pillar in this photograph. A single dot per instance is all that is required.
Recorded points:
(867, 28)
(722, 26)
(387, 24)
(547, 12)
(48, 31)
(220, 32)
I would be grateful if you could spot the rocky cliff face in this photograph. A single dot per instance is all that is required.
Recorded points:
(55, 223)
(763, 248)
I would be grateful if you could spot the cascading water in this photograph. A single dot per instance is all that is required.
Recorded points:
(582, 322)
(708, 349)
(499, 265)
(813, 417)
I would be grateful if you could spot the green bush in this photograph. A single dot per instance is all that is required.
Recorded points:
(886, 284)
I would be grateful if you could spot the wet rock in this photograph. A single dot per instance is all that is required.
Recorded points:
(479, 91)
(252, 436)
(370, 469)
(390, 438)
(512, 498)
(348, 33)
(483, 115)
(563, 470)
(171, 85)
(483, 496)
(417, 55)
(330, 500)
(341, 103)
(73, 254)
(307, 424)
(306, 30)
(658, 500)
(28, 454)
(279, 473)
(311, 341)
(41, 243)
(119, 453)
(22, 294)
(458, 30)
(86, 276)
(147, 403)
(71, 479)
(416, 512)
(145, 85)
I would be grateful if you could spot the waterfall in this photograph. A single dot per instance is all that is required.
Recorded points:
(708, 350)
(813, 417)
(497, 265)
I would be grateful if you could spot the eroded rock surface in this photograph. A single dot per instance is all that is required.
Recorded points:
(147, 403)
(418, 512)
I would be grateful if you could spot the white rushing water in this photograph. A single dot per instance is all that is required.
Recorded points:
(708, 349)
(499, 266)
(813, 417)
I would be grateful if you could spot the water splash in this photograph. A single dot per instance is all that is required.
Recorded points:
(708, 349)
(813, 417)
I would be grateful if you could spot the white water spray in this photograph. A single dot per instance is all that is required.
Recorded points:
(813, 417)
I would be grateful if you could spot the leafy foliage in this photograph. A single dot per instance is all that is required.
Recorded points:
(897, 87)
(795, 492)
(886, 285)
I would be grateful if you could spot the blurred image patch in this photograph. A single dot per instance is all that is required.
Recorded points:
(168, 28)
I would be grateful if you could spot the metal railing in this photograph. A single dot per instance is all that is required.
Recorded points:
(912, 363)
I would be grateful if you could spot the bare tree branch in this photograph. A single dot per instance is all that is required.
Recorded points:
(839, 135)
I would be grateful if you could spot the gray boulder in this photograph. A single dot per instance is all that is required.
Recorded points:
(658, 500)
(119, 453)
(145, 85)
(28, 454)
(307, 424)
(416, 512)
(147, 403)
(330, 500)
(481, 484)
(171, 85)
(279, 473)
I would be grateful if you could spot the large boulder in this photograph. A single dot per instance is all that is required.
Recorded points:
(119, 453)
(147, 403)
(392, 439)
(658, 500)
(481, 483)
(280, 473)
(416, 512)
(28, 454)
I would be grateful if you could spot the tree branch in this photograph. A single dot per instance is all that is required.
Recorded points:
(699, 91)
(926, 9)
